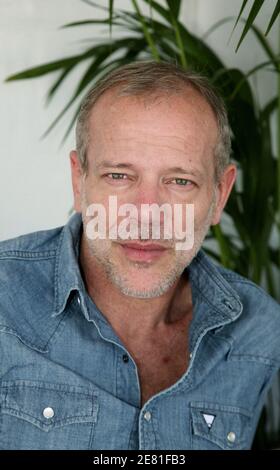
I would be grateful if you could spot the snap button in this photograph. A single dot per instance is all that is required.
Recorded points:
(228, 304)
(125, 358)
(190, 355)
(231, 437)
(79, 300)
(147, 416)
(48, 413)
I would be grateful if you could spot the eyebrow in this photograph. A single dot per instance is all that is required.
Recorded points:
(185, 171)
(108, 164)
(174, 169)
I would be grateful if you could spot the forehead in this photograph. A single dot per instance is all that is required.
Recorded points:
(188, 103)
(183, 122)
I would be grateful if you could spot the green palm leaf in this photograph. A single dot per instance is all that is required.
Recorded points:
(275, 15)
(254, 11)
(251, 18)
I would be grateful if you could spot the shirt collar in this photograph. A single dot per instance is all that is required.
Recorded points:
(209, 283)
(67, 271)
(205, 277)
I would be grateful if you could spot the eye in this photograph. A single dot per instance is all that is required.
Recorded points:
(116, 176)
(183, 182)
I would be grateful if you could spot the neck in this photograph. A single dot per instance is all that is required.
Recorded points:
(127, 314)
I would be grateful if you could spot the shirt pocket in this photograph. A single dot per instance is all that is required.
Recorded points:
(216, 426)
(40, 415)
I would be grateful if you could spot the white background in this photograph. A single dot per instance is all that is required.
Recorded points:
(35, 187)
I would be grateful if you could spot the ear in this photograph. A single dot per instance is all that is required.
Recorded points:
(76, 173)
(223, 191)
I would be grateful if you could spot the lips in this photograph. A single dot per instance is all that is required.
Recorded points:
(143, 251)
(144, 246)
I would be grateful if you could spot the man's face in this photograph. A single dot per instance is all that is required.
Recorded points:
(149, 151)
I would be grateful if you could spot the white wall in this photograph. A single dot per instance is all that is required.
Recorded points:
(35, 189)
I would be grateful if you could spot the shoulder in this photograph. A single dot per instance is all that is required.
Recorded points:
(250, 293)
(27, 272)
(26, 254)
(42, 242)
(257, 330)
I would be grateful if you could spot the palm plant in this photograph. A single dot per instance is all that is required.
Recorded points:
(254, 11)
(245, 238)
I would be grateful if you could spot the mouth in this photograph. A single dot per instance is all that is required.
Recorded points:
(143, 251)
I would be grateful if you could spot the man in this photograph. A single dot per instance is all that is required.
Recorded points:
(130, 343)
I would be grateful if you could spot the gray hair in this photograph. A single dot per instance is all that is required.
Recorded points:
(146, 78)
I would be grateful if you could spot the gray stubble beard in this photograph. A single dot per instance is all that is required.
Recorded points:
(122, 282)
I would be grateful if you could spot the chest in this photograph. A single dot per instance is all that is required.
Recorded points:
(159, 367)
(165, 373)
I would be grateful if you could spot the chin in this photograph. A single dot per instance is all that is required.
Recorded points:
(146, 285)
(139, 293)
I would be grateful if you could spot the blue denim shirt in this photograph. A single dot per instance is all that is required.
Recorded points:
(67, 381)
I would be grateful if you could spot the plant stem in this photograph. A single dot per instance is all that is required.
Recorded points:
(179, 41)
(270, 279)
(147, 35)
(278, 160)
(224, 248)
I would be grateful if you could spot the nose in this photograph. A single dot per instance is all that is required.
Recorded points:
(147, 193)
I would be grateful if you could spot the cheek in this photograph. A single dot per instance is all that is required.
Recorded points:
(94, 194)
(101, 249)
(91, 196)
(202, 213)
